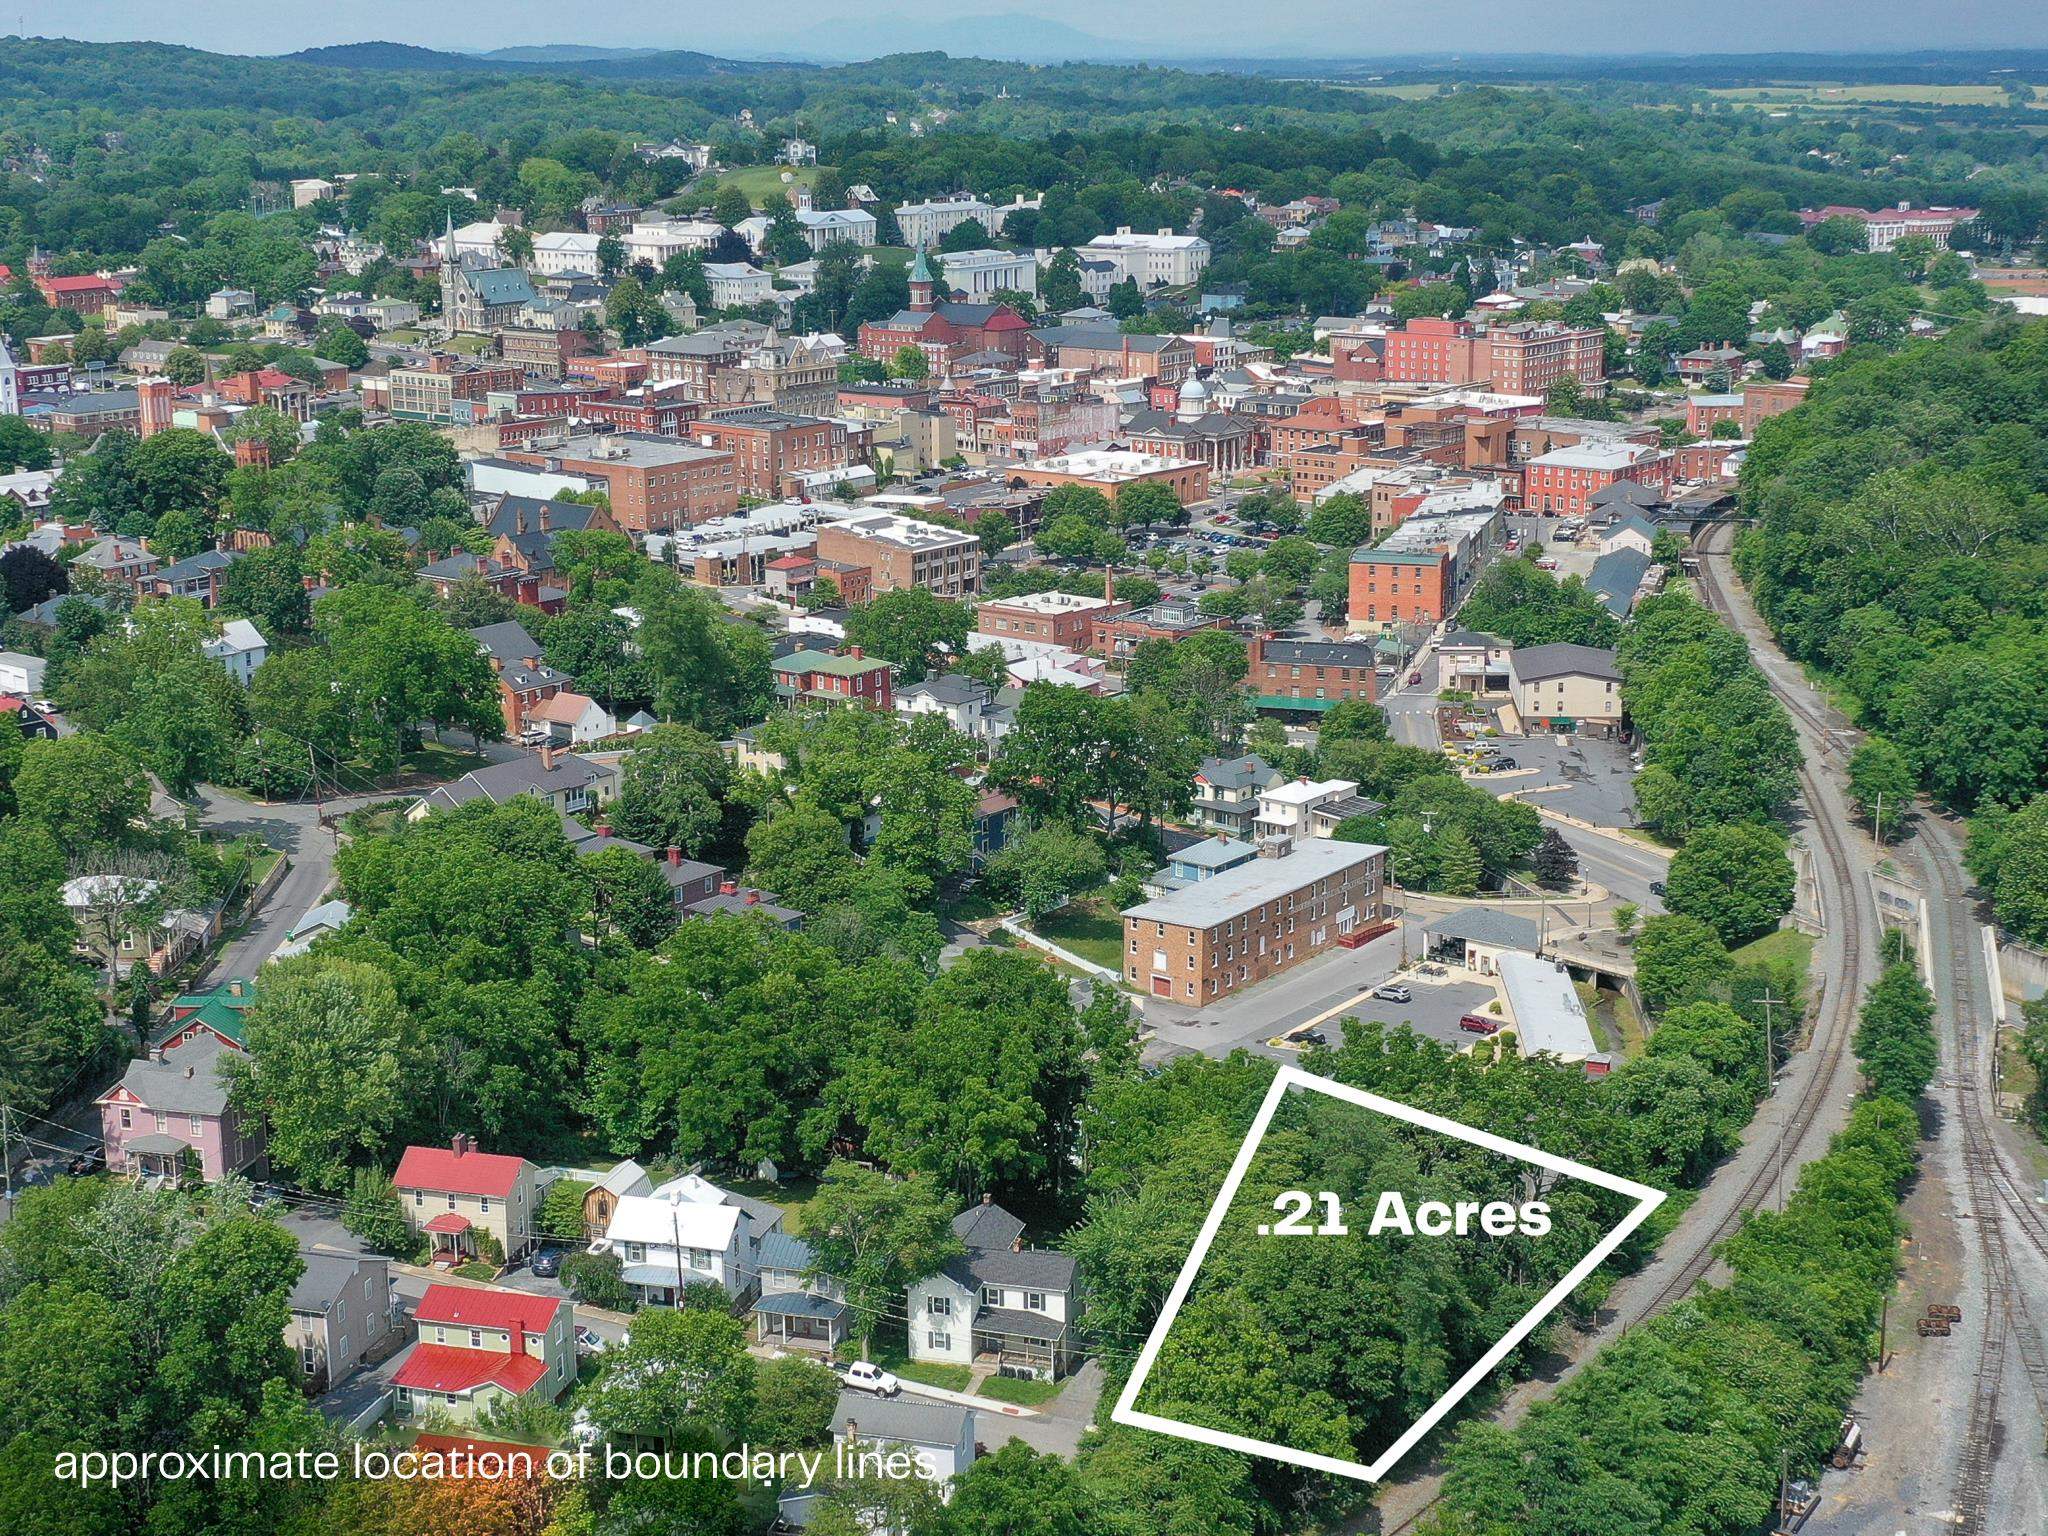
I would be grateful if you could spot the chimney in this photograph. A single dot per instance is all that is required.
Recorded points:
(235, 987)
(987, 1198)
(675, 856)
(753, 898)
(855, 653)
(727, 888)
(515, 1337)
(602, 829)
(547, 757)
(457, 1144)
(156, 1054)
(852, 1431)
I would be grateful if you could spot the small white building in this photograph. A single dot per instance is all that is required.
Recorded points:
(737, 284)
(1287, 809)
(1152, 261)
(981, 273)
(22, 674)
(230, 303)
(571, 719)
(240, 647)
(939, 1437)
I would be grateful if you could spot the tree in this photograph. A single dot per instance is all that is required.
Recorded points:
(684, 1375)
(1895, 1034)
(875, 1234)
(83, 790)
(1881, 783)
(911, 628)
(2008, 853)
(1625, 915)
(22, 446)
(177, 469)
(672, 786)
(596, 1280)
(374, 1213)
(794, 1400)
(1737, 879)
(1554, 863)
(338, 343)
(1041, 868)
(1019, 1492)
(27, 575)
(1145, 503)
(629, 896)
(731, 207)
(801, 851)
(329, 1068)
(909, 363)
(1678, 959)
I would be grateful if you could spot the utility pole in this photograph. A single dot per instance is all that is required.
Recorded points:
(1770, 1054)
(7, 1151)
(1877, 820)
(1784, 1468)
(1884, 1317)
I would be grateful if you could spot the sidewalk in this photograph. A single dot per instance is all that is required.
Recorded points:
(968, 1400)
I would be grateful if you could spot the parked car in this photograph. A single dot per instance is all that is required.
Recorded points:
(1656, 887)
(1478, 1024)
(1546, 564)
(1312, 1037)
(1393, 992)
(1414, 678)
(85, 1163)
(547, 1263)
(866, 1376)
(1502, 764)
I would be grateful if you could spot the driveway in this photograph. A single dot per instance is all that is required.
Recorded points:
(1059, 1424)
(1435, 1010)
(1587, 777)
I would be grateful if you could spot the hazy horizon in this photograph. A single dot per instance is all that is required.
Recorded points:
(1184, 28)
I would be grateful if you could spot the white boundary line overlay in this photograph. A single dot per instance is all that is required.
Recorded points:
(1647, 1200)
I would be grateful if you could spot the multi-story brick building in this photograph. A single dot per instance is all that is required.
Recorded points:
(1559, 483)
(1110, 470)
(1764, 398)
(1884, 226)
(1237, 928)
(655, 483)
(1515, 358)
(1115, 638)
(1308, 674)
(1090, 349)
(771, 449)
(1391, 587)
(1055, 618)
(902, 552)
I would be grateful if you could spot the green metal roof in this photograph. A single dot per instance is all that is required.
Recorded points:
(219, 1010)
(1282, 701)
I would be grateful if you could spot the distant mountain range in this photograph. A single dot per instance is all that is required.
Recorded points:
(1012, 35)
(636, 63)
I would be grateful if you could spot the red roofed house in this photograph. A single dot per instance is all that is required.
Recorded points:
(456, 1194)
(481, 1347)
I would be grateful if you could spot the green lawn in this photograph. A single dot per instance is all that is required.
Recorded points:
(1787, 945)
(757, 181)
(792, 1194)
(1026, 1394)
(438, 760)
(1090, 928)
(953, 1378)
(971, 906)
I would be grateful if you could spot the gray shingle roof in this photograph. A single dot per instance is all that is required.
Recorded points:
(911, 1423)
(1483, 925)
(987, 1225)
(186, 1082)
(1541, 661)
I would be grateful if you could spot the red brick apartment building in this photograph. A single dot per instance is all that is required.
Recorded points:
(1253, 921)
(1309, 674)
(655, 483)
(1399, 587)
(1517, 358)
(771, 448)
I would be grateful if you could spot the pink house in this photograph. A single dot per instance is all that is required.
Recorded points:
(169, 1115)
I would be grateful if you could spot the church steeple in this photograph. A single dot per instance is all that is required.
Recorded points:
(921, 283)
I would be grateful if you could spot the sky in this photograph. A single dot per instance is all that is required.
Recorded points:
(1328, 28)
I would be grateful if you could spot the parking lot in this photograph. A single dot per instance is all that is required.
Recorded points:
(1588, 777)
(1436, 1007)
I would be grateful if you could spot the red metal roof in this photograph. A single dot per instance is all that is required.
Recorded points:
(469, 1306)
(442, 1368)
(471, 1173)
(449, 1221)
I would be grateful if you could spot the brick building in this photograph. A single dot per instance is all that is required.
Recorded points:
(819, 677)
(1559, 483)
(655, 483)
(1515, 358)
(1309, 674)
(447, 389)
(772, 449)
(1055, 618)
(1253, 921)
(1399, 587)
(902, 552)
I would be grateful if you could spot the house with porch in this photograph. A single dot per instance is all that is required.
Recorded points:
(455, 1194)
(687, 1232)
(481, 1348)
(793, 1312)
(168, 1119)
(1000, 1303)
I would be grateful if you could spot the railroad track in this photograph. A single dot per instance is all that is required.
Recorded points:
(1996, 1201)
(1831, 1036)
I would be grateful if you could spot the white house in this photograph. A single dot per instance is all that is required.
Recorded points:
(964, 704)
(480, 239)
(1001, 1301)
(737, 284)
(572, 719)
(1633, 532)
(566, 251)
(688, 1231)
(821, 227)
(1287, 809)
(240, 647)
(980, 273)
(229, 303)
(660, 239)
(925, 223)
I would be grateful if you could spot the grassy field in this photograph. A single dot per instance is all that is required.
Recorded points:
(757, 181)
(1786, 944)
(953, 1378)
(792, 1194)
(1090, 928)
(1823, 94)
